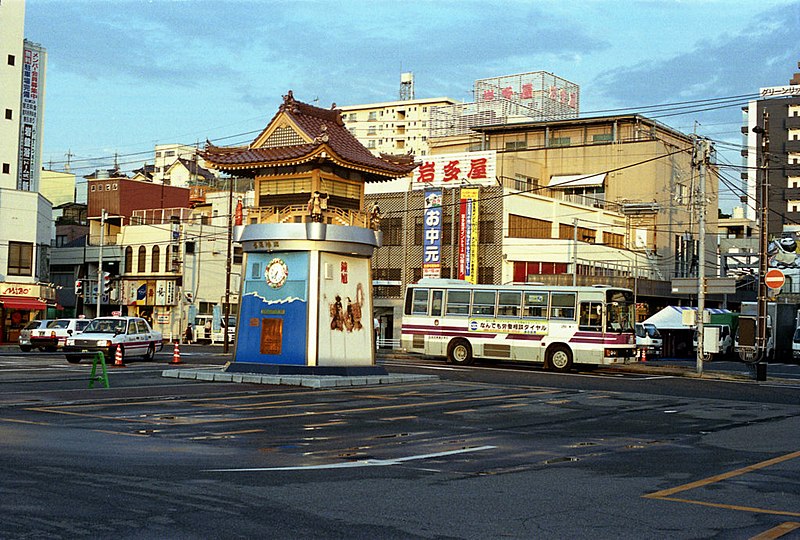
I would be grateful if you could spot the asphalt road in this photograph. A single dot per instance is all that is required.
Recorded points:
(487, 451)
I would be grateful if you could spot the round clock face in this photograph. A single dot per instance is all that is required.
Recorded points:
(276, 273)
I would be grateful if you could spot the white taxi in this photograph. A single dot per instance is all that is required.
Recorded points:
(133, 336)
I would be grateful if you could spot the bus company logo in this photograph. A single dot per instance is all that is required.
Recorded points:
(474, 326)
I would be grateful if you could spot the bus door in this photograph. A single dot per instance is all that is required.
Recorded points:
(437, 345)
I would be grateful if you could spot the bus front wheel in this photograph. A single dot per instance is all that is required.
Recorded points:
(460, 353)
(559, 359)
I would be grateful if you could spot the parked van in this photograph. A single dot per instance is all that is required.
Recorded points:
(796, 344)
(204, 333)
(648, 338)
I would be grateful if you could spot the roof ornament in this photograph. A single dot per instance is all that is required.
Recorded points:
(288, 101)
(323, 134)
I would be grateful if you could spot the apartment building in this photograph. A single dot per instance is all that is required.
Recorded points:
(393, 127)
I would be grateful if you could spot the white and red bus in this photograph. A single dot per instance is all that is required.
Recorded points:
(554, 326)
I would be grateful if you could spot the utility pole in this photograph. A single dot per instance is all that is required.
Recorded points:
(763, 237)
(100, 258)
(575, 252)
(701, 153)
(227, 307)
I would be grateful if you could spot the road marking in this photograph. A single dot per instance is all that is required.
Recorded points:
(777, 532)
(723, 476)
(360, 463)
(666, 494)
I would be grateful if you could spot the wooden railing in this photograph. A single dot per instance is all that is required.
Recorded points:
(299, 214)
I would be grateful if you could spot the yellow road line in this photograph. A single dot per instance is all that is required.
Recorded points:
(720, 477)
(777, 532)
(731, 507)
(14, 421)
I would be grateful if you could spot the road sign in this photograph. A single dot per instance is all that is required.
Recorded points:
(774, 279)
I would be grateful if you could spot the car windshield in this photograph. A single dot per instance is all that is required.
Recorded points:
(59, 324)
(31, 325)
(652, 331)
(106, 326)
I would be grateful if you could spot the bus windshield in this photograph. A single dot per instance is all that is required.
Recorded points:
(620, 311)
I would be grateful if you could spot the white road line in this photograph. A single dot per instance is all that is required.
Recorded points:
(361, 463)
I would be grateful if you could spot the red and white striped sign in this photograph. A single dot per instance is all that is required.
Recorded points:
(774, 279)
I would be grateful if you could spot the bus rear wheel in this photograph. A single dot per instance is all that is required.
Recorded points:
(460, 352)
(559, 359)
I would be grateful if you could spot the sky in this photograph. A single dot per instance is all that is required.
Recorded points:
(123, 75)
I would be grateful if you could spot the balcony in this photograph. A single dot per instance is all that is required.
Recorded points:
(108, 240)
(792, 146)
(792, 122)
(299, 214)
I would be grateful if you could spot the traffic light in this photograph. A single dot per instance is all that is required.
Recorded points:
(106, 283)
(78, 287)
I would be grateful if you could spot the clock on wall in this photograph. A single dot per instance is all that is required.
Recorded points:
(276, 273)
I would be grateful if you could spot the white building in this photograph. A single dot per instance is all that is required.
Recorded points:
(25, 216)
(393, 127)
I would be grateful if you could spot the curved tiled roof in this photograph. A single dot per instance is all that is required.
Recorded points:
(325, 128)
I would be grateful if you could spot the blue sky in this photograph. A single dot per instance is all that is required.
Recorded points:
(124, 75)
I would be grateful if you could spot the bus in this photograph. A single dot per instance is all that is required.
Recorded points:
(557, 326)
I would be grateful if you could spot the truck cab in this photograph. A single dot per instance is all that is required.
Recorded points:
(648, 339)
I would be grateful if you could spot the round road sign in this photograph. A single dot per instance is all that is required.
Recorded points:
(774, 279)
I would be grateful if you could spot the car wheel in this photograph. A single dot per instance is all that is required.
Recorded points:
(151, 352)
(460, 352)
(25, 348)
(73, 358)
(559, 359)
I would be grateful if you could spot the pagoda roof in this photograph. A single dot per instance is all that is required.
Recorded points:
(301, 133)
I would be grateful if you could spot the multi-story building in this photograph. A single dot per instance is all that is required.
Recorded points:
(594, 200)
(180, 165)
(25, 216)
(393, 127)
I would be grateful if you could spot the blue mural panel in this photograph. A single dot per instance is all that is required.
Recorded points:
(273, 309)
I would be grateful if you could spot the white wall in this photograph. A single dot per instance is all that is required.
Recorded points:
(12, 22)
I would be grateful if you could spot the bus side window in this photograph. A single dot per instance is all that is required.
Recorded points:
(437, 303)
(419, 302)
(483, 303)
(508, 303)
(457, 303)
(535, 305)
(562, 306)
(590, 316)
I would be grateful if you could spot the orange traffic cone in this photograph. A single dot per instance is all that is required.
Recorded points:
(118, 357)
(644, 354)
(176, 354)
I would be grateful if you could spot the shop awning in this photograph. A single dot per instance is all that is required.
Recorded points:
(572, 181)
(15, 302)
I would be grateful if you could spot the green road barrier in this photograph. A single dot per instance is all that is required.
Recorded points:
(98, 357)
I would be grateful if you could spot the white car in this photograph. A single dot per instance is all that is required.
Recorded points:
(133, 336)
(25, 333)
(53, 336)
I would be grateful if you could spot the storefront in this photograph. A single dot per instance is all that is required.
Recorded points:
(21, 303)
(156, 300)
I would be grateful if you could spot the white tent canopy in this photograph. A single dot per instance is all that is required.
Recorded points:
(671, 317)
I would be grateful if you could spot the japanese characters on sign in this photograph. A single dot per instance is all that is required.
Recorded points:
(780, 91)
(28, 119)
(432, 241)
(453, 170)
(468, 236)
